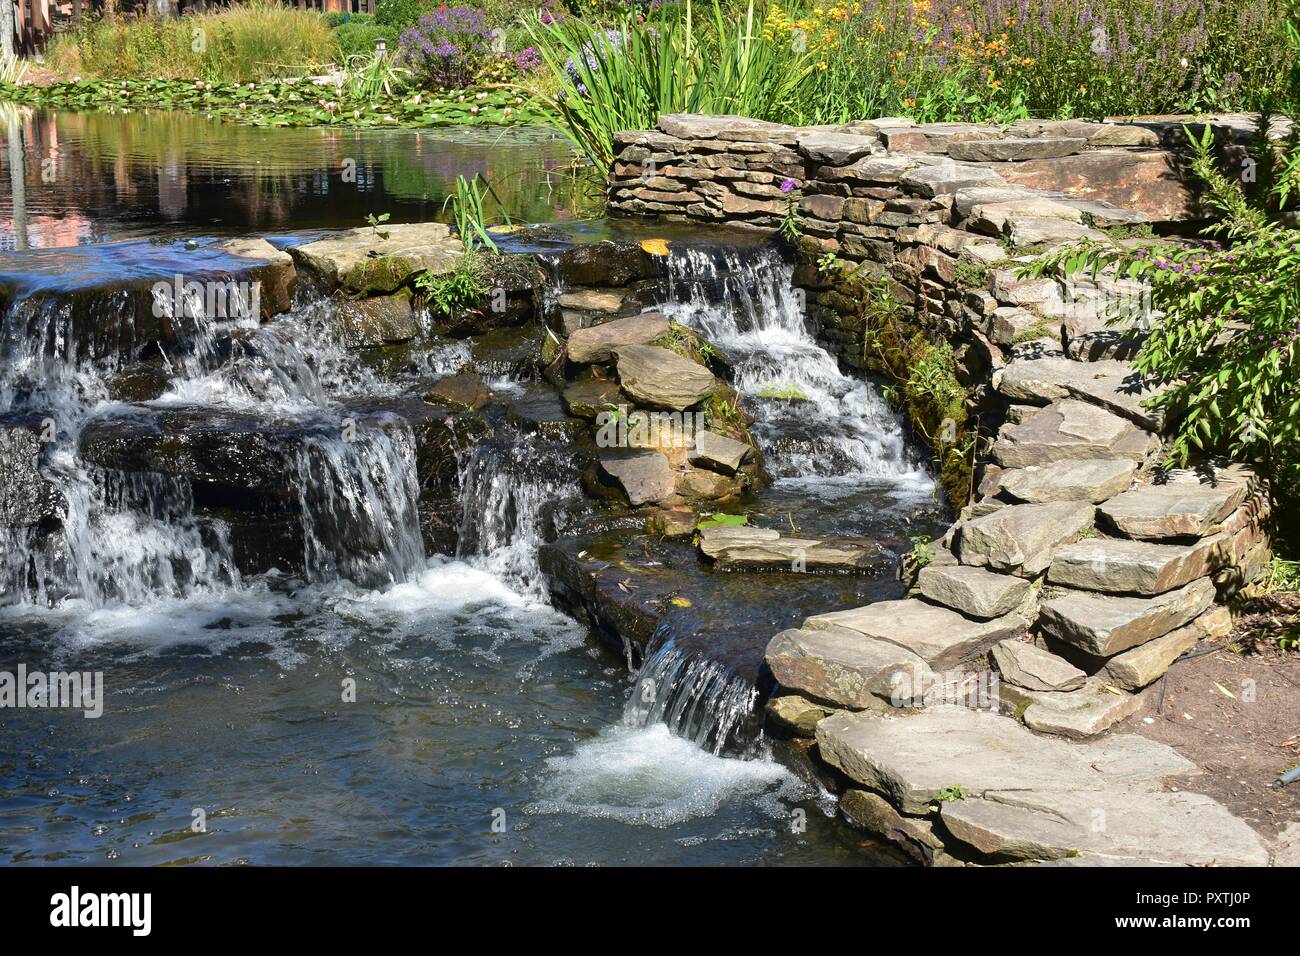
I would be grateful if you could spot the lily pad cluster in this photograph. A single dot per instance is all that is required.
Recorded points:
(288, 102)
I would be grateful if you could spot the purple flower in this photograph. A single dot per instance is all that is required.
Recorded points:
(787, 185)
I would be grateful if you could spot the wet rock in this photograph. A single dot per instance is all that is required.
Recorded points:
(462, 390)
(940, 637)
(746, 547)
(795, 714)
(660, 378)
(1105, 625)
(27, 498)
(1147, 663)
(1046, 824)
(276, 276)
(1115, 386)
(602, 264)
(1118, 566)
(644, 476)
(1084, 712)
(671, 522)
(841, 666)
(596, 344)
(1022, 538)
(1033, 668)
(138, 382)
(718, 452)
(1014, 149)
(587, 399)
(912, 759)
(1070, 430)
(361, 261)
(381, 320)
(1171, 511)
(702, 485)
(973, 591)
(913, 835)
(1093, 481)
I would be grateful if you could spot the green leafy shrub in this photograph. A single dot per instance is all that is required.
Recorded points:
(359, 38)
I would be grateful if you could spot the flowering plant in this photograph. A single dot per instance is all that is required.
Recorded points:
(447, 47)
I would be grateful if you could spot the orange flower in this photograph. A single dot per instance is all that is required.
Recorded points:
(1082, 88)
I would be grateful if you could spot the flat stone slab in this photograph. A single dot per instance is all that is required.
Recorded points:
(973, 591)
(913, 835)
(1084, 712)
(1104, 625)
(597, 342)
(842, 667)
(644, 476)
(409, 248)
(796, 713)
(834, 148)
(1120, 566)
(719, 452)
(1044, 824)
(941, 179)
(1134, 759)
(1171, 511)
(764, 548)
(1093, 481)
(1022, 538)
(1147, 663)
(1115, 386)
(1071, 430)
(1033, 668)
(912, 758)
(660, 378)
(1014, 149)
(940, 637)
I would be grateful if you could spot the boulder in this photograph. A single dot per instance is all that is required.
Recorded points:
(1104, 625)
(660, 378)
(913, 758)
(361, 261)
(1022, 538)
(1070, 430)
(1033, 668)
(841, 666)
(940, 637)
(718, 452)
(1118, 566)
(1147, 663)
(1171, 511)
(644, 476)
(830, 148)
(973, 591)
(380, 320)
(942, 179)
(1093, 481)
(597, 343)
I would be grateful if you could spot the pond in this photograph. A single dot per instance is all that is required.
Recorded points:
(402, 706)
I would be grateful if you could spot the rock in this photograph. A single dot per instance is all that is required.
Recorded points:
(914, 836)
(671, 522)
(836, 149)
(1132, 759)
(661, 378)
(746, 547)
(597, 343)
(1104, 625)
(462, 390)
(718, 452)
(690, 126)
(1033, 668)
(942, 179)
(381, 320)
(1171, 511)
(276, 277)
(942, 638)
(965, 201)
(1013, 149)
(1022, 538)
(1147, 663)
(1024, 232)
(588, 399)
(1149, 182)
(841, 666)
(1118, 566)
(1044, 824)
(27, 498)
(707, 485)
(1286, 851)
(1093, 481)
(911, 759)
(973, 591)
(1009, 325)
(1070, 430)
(643, 475)
(796, 715)
(591, 300)
(1085, 712)
(346, 259)
(1115, 386)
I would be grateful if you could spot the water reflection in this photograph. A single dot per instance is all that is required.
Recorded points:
(78, 178)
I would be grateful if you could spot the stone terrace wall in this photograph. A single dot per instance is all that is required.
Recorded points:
(1081, 568)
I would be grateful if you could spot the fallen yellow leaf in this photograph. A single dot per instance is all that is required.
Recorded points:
(655, 247)
(1224, 691)
(682, 602)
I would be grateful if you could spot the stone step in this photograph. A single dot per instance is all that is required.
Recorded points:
(1172, 511)
(597, 343)
(973, 591)
(940, 637)
(1114, 386)
(1070, 430)
(1083, 712)
(1093, 481)
(1147, 663)
(1121, 566)
(719, 452)
(1033, 668)
(1103, 625)
(843, 667)
(1022, 538)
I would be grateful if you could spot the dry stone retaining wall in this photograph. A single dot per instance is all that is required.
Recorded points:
(1081, 568)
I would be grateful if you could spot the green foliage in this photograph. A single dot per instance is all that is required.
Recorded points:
(401, 14)
(358, 37)
(1225, 333)
(785, 393)
(721, 520)
(456, 291)
(466, 205)
(921, 553)
(949, 794)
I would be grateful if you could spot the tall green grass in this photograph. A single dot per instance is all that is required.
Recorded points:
(250, 41)
(622, 77)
